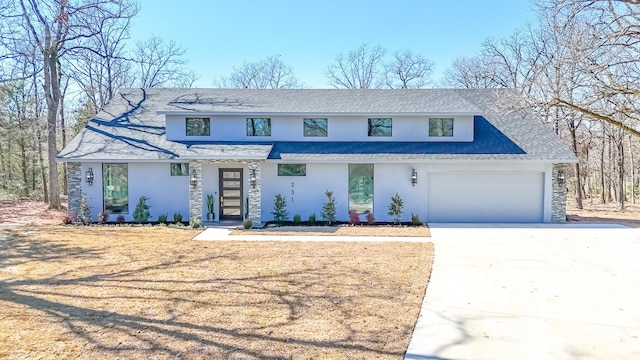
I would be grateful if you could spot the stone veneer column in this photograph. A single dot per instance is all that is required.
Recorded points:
(255, 194)
(74, 187)
(559, 195)
(195, 192)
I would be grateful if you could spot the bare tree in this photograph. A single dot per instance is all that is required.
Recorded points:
(407, 71)
(359, 69)
(268, 73)
(161, 64)
(54, 28)
(469, 73)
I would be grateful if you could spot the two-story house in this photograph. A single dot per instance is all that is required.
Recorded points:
(451, 155)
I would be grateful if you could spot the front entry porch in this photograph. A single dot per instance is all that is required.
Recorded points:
(235, 187)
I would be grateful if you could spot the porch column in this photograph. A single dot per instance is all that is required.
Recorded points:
(559, 194)
(74, 187)
(195, 191)
(255, 193)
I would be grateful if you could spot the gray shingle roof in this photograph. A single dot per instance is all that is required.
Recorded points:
(132, 126)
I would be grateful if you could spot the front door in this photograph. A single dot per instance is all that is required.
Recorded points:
(230, 194)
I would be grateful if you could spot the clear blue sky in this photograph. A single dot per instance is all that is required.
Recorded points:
(308, 34)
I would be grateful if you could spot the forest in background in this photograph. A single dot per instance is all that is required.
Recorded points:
(577, 66)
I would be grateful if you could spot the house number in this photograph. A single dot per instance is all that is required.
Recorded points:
(292, 191)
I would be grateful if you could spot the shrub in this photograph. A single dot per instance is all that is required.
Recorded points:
(68, 219)
(371, 219)
(103, 217)
(177, 217)
(297, 219)
(85, 211)
(415, 220)
(395, 208)
(280, 212)
(354, 218)
(141, 213)
(120, 219)
(195, 223)
(312, 219)
(162, 218)
(328, 212)
(247, 223)
(210, 203)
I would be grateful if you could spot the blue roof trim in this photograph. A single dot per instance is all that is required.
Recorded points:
(487, 140)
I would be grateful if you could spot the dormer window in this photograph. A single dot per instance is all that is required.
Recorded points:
(258, 127)
(440, 127)
(198, 126)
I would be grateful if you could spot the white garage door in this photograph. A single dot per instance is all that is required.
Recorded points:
(485, 197)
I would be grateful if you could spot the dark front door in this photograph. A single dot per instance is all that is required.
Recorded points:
(230, 194)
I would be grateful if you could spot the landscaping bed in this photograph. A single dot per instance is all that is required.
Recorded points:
(385, 230)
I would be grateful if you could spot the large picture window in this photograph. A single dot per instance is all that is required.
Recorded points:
(258, 127)
(380, 127)
(115, 188)
(198, 126)
(441, 127)
(315, 127)
(361, 188)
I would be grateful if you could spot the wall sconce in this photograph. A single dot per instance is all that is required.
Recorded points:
(252, 178)
(414, 177)
(560, 177)
(194, 178)
(89, 176)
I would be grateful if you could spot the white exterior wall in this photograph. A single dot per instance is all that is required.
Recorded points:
(308, 196)
(290, 128)
(167, 194)
(308, 191)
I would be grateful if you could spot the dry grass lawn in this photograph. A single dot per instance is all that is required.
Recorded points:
(142, 292)
(596, 213)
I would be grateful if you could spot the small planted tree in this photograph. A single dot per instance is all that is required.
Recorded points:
(328, 212)
(395, 208)
(141, 213)
(280, 212)
(84, 218)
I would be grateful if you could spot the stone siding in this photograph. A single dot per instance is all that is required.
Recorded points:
(74, 187)
(559, 195)
(255, 194)
(195, 192)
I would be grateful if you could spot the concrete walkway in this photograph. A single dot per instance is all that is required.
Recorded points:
(531, 292)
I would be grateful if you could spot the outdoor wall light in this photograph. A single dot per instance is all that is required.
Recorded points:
(252, 178)
(194, 178)
(89, 176)
(414, 177)
(560, 177)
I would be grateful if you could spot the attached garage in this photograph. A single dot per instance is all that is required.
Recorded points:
(467, 197)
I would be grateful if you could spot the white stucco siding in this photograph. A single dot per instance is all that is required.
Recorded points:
(340, 128)
(167, 194)
(486, 196)
(308, 191)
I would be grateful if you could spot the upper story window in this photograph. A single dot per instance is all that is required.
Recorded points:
(198, 126)
(258, 127)
(441, 127)
(315, 127)
(379, 127)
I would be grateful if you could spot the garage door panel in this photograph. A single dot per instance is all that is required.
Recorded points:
(485, 197)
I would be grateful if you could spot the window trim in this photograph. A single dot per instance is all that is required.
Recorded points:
(370, 127)
(304, 127)
(206, 128)
(443, 135)
(254, 128)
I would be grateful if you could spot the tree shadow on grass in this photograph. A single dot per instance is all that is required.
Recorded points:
(130, 312)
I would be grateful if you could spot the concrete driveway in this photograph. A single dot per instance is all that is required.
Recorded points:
(531, 292)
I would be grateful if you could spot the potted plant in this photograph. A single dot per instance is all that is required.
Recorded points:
(210, 204)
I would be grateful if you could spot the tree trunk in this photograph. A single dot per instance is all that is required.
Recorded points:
(621, 189)
(52, 93)
(632, 173)
(43, 169)
(578, 178)
(64, 142)
(602, 185)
